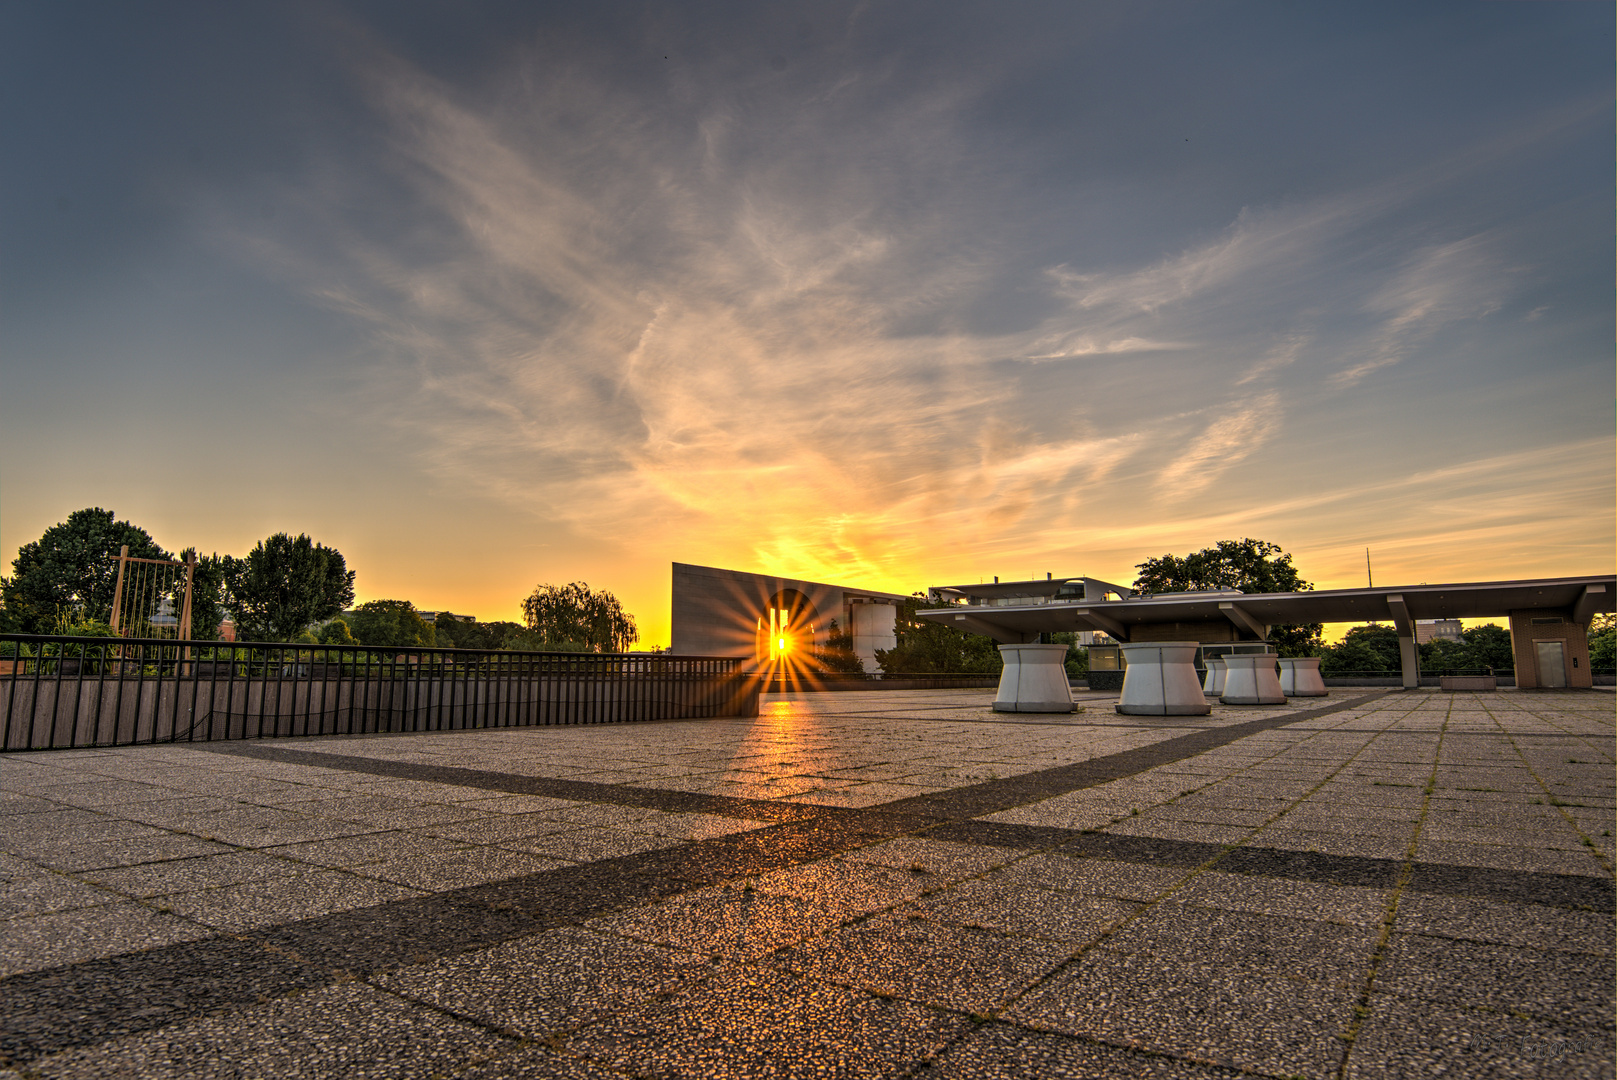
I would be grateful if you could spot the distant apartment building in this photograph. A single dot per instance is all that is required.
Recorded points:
(1437, 630)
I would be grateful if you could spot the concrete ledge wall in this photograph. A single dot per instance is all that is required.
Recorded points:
(48, 714)
(940, 682)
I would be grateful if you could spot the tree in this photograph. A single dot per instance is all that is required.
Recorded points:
(1444, 656)
(1490, 646)
(1251, 566)
(464, 634)
(285, 584)
(932, 648)
(335, 632)
(1077, 662)
(1371, 650)
(72, 570)
(837, 654)
(390, 623)
(1603, 643)
(207, 594)
(559, 615)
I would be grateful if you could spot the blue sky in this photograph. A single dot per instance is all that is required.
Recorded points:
(495, 294)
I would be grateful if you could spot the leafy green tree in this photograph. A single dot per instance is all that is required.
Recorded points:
(575, 614)
(72, 569)
(336, 632)
(285, 584)
(1366, 649)
(1603, 643)
(464, 634)
(1490, 645)
(931, 648)
(207, 594)
(1441, 655)
(1077, 663)
(1251, 566)
(390, 623)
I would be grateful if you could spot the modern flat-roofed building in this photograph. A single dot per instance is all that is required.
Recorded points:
(1438, 630)
(1548, 617)
(718, 612)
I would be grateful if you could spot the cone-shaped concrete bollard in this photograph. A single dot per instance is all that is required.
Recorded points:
(1161, 680)
(1034, 680)
(1299, 677)
(1253, 679)
(1213, 685)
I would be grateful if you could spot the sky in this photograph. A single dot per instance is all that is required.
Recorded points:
(488, 295)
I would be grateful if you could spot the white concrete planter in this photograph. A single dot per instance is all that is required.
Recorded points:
(1299, 677)
(1213, 685)
(1252, 680)
(1161, 680)
(1034, 680)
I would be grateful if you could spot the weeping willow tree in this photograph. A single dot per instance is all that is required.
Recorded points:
(576, 616)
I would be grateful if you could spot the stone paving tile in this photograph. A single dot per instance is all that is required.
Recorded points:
(846, 888)
(548, 983)
(1321, 952)
(58, 938)
(733, 1026)
(1290, 899)
(530, 1062)
(1064, 812)
(261, 827)
(1223, 1016)
(80, 856)
(947, 965)
(497, 828)
(518, 804)
(104, 792)
(1531, 926)
(45, 831)
(269, 902)
(348, 851)
(590, 845)
(1092, 877)
(187, 875)
(1024, 910)
(1336, 843)
(949, 861)
(41, 893)
(384, 811)
(1398, 1040)
(994, 1051)
(350, 1030)
(1177, 830)
(1512, 857)
(444, 870)
(723, 921)
(1547, 984)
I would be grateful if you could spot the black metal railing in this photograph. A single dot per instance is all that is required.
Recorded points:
(76, 691)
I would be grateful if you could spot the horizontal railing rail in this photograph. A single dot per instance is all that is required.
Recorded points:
(58, 692)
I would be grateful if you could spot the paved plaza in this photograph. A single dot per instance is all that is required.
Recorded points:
(1376, 884)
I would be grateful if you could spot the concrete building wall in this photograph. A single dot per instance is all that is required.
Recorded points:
(1532, 625)
(717, 612)
(874, 627)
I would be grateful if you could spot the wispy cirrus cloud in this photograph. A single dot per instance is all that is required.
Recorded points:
(1437, 285)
